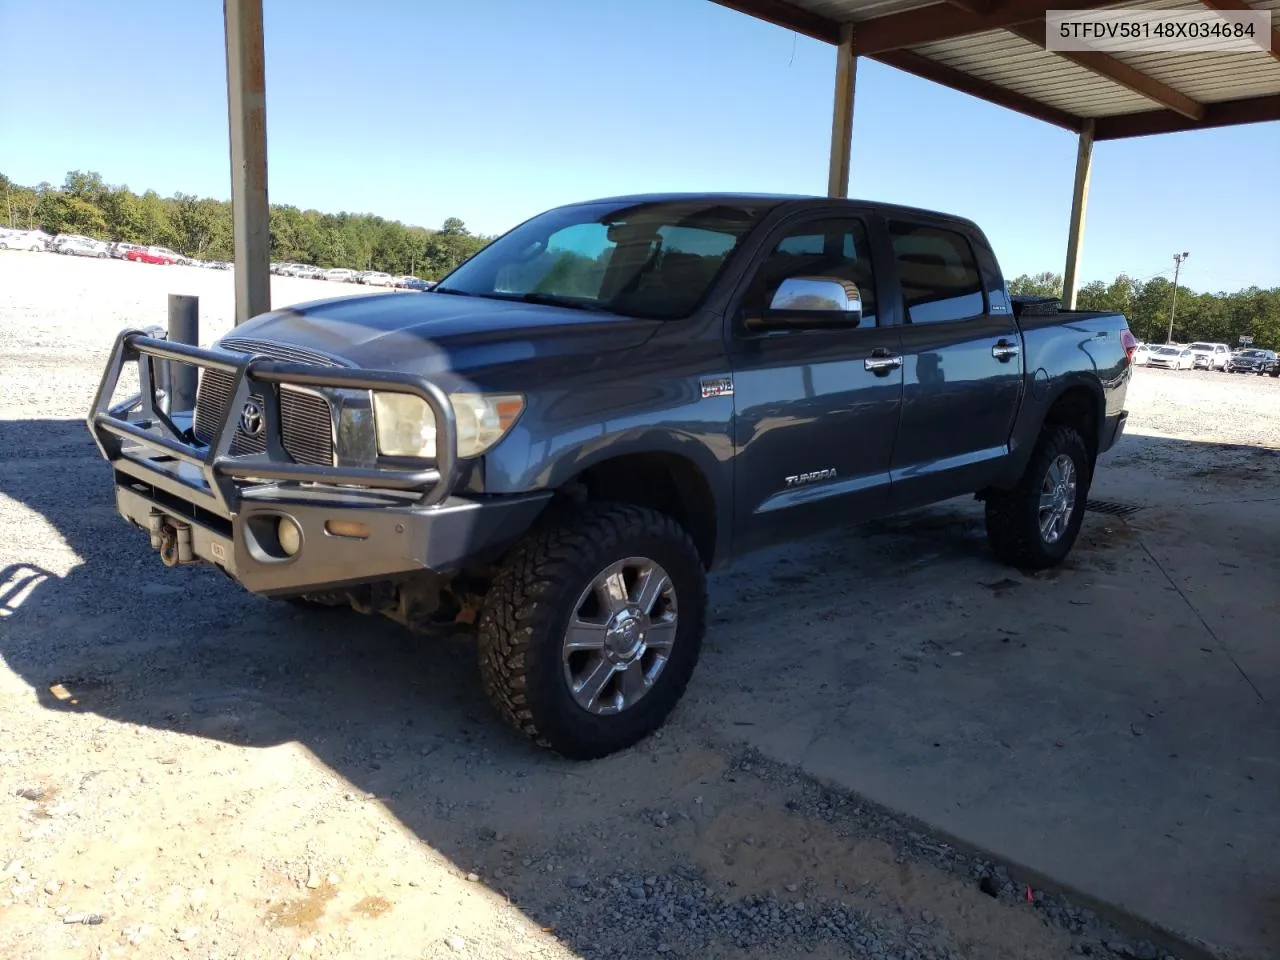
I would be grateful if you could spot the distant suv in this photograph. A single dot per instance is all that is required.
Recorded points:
(559, 441)
(1210, 356)
(1254, 360)
(339, 275)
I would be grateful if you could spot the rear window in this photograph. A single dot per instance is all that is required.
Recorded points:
(938, 273)
(1202, 346)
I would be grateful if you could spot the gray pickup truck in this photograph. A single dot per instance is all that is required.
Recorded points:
(559, 441)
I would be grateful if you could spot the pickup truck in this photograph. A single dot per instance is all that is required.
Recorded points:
(558, 442)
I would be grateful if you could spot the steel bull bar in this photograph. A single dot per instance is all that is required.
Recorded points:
(201, 502)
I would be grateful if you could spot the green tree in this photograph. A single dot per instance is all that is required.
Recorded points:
(1041, 285)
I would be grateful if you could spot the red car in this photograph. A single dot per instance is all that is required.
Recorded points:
(153, 255)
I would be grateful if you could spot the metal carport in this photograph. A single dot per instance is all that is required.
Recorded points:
(991, 49)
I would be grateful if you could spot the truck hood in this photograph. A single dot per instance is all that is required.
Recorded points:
(426, 333)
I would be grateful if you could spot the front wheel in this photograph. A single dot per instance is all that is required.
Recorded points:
(1034, 525)
(592, 628)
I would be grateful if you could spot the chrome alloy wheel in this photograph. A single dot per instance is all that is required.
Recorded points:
(620, 636)
(1057, 499)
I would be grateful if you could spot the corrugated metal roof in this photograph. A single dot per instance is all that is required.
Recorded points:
(1018, 66)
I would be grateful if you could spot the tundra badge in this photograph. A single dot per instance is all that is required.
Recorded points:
(717, 387)
(813, 476)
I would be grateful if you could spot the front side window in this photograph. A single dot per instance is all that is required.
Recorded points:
(656, 260)
(938, 272)
(835, 248)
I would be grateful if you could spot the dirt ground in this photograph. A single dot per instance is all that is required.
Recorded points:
(189, 771)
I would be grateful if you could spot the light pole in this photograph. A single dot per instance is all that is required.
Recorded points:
(1177, 265)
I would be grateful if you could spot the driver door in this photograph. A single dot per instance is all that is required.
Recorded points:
(816, 400)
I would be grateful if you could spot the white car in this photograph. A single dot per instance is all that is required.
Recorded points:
(77, 246)
(1210, 356)
(1141, 354)
(1171, 357)
(376, 278)
(24, 240)
(340, 275)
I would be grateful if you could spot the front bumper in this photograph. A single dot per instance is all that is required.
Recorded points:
(204, 504)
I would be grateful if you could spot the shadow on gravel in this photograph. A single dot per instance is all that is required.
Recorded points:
(403, 718)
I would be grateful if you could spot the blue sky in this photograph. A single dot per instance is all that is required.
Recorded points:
(495, 109)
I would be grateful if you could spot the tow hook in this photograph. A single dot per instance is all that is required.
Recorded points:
(172, 539)
(168, 545)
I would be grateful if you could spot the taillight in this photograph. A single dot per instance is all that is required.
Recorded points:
(1129, 342)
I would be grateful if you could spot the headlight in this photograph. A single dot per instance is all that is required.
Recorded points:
(406, 426)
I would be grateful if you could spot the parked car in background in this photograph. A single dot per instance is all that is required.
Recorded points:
(339, 275)
(1209, 356)
(376, 278)
(33, 240)
(1254, 360)
(119, 250)
(361, 274)
(1141, 354)
(1171, 357)
(161, 255)
(77, 246)
(309, 273)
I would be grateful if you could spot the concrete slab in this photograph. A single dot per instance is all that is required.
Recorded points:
(1111, 724)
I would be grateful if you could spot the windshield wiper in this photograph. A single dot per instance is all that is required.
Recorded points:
(452, 290)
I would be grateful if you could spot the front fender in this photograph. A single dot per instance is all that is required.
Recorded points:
(568, 434)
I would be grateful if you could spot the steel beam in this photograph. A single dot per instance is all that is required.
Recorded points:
(928, 69)
(946, 21)
(1117, 71)
(1227, 113)
(247, 117)
(1241, 5)
(842, 115)
(1079, 200)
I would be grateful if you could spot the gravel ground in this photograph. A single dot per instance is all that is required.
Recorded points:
(192, 771)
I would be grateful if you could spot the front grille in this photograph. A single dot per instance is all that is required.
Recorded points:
(306, 429)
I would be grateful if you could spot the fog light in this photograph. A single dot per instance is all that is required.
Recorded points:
(289, 535)
(346, 528)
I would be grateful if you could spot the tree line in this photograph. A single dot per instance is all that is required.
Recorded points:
(1212, 317)
(201, 227)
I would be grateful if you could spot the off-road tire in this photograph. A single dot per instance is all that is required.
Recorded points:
(1013, 527)
(527, 609)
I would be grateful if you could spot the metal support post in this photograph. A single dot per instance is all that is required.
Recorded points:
(247, 115)
(1079, 199)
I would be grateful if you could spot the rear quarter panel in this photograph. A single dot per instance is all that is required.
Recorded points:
(1069, 350)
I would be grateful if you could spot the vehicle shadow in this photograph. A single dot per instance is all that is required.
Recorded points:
(401, 717)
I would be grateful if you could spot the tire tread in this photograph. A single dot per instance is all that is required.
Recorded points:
(524, 599)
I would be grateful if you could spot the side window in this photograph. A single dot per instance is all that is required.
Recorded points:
(835, 247)
(940, 280)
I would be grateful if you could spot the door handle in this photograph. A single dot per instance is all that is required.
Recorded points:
(1004, 351)
(882, 361)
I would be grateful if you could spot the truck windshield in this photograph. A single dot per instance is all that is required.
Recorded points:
(655, 260)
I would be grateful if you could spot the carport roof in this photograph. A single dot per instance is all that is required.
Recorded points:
(994, 49)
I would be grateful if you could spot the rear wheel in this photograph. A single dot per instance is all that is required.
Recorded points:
(1034, 525)
(592, 628)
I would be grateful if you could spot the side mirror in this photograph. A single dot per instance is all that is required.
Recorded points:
(805, 302)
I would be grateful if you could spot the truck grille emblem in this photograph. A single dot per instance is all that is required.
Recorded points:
(252, 420)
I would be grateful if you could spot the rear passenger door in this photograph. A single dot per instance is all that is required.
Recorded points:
(962, 364)
(816, 405)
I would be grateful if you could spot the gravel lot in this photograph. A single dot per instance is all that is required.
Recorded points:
(192, 771)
